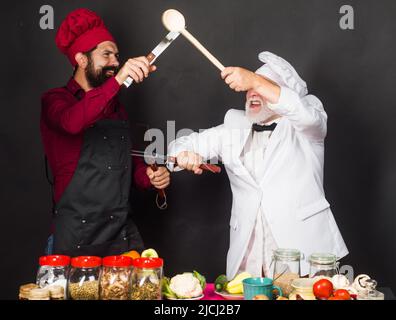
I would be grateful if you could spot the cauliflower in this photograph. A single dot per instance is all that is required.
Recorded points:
(186, 285)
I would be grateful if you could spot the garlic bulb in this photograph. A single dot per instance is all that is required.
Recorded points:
(340, 281)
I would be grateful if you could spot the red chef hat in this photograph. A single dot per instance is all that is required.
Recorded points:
(81, 31)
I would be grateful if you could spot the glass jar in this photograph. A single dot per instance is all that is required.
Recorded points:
(146, 279)
(115, 278)
(53, 271)
(322, 264)
(286, 268)
(83, 283)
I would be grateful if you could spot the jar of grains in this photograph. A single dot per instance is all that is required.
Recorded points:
(286, 268)
(146, 279)
(115, 278)
(83, 283)
(322, 264)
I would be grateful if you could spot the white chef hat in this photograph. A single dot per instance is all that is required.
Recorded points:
(280, 71)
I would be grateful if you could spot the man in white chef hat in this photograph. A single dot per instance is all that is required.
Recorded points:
(273, 153)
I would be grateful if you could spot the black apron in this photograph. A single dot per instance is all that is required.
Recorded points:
(93, 215)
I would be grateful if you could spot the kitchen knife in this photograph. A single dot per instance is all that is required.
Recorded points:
(153, 55)
(171, 162)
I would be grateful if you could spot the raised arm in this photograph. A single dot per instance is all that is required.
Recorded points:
(72, 118)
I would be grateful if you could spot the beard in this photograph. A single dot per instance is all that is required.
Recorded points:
(261, 112)
(96, 77)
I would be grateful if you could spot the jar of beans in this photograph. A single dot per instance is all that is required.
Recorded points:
(115, 278)
(83, 282)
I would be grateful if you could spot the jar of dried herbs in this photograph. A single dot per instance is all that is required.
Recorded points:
(115, 278)
(146, 278)
(83, 282)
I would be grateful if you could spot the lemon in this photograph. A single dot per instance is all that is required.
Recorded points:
(149, 253)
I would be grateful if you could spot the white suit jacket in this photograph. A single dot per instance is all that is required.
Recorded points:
(291, 190)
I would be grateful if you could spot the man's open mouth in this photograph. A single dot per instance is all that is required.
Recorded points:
(255, 104)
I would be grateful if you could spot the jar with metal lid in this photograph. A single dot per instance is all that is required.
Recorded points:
(115, 278)
(286, 268)
(322, 264)
(53, 271)
(83, 282)
(146, 279)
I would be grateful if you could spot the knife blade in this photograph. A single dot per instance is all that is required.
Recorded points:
(153, 55)
(170, 162)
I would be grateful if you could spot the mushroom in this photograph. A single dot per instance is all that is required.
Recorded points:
(360, 282)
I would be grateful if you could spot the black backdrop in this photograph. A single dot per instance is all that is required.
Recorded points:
(352, 72)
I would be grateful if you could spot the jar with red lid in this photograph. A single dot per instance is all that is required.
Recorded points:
(53, 271)
(115, 278)
(83, 282)
(146, 278)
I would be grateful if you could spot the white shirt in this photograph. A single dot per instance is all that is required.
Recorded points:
(258, 256)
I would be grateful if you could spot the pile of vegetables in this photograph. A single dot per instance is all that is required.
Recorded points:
(234, 286)
(184, 286)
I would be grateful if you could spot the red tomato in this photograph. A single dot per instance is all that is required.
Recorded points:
(323, 289)
(342, 294)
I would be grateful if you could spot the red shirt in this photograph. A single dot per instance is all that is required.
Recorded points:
(66, 113)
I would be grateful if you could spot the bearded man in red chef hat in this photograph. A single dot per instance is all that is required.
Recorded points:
(86, 138)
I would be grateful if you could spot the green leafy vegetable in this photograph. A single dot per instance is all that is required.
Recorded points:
(201, 279)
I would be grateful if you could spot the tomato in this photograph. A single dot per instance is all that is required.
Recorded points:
(323, 289)
(342, 294)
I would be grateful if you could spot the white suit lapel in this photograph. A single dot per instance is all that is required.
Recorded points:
(239, 130)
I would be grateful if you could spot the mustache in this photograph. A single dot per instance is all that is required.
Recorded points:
(110, 68)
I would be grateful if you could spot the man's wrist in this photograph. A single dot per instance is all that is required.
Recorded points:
(267, 88)
(119, 79)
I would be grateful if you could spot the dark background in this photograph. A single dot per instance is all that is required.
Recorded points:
(352, 72)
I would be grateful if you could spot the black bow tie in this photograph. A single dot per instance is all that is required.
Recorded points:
(260, 128)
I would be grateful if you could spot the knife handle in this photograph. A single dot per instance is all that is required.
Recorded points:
(161, 192)
(150, 57)
(204, 166)
(210, 167)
